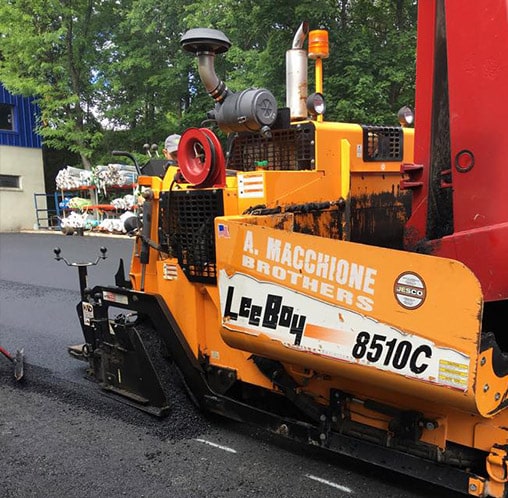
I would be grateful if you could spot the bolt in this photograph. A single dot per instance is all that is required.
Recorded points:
(497, 396)
(283, 430)
(322, 417)
(473, 487)
(322, 436)
(483, 361)
(485, 388)
(148, 194)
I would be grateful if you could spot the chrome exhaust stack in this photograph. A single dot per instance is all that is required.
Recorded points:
(297, 75)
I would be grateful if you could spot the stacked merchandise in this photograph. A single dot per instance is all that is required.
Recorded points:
(126, 203)
(115, 225)
(114, 175)
(102, 178)
(72, 178)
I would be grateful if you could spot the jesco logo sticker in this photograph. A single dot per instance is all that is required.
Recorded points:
(410, 290)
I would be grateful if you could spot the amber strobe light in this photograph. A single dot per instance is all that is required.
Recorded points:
(319, 50)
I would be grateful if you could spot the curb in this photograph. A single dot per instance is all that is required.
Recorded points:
(85, 234)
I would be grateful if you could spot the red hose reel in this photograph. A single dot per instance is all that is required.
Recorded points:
(201, 159)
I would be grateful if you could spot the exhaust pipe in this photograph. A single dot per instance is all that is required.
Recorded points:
(249, 110)
(300, 35)
(297, 75)
(205, 44)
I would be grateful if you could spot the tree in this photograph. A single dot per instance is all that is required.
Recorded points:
(145, 75)
(93, 63)
(149, 81)
(370, 73)
(375, 42)
(51, 49)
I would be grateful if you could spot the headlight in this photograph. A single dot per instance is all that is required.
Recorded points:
(406, 116)
(316, 104)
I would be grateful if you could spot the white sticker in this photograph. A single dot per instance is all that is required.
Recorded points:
(301, 322)
(87, 313)
(169, 271)
(251, 186)
(115, 298)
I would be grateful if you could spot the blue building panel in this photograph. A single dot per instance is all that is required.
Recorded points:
(22, 115)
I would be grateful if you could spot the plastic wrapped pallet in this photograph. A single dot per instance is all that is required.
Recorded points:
(71, 178)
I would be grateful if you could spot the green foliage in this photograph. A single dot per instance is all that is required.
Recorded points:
(369, 74)
(50, 50)
(111, 75)
(376, 60)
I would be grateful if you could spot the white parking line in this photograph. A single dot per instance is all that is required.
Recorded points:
(330, 483)
(215, 445)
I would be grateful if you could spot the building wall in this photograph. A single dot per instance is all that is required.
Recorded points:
(20, 162)
(17, 209)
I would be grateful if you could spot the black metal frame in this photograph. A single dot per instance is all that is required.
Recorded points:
(186, 229)
(382, 143)
(287, 149)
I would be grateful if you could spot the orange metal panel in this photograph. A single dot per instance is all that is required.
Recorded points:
(384, 310)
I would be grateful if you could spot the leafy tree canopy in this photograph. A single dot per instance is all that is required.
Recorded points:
(111, 74)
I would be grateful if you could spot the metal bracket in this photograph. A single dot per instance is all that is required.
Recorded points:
(220, 379)
(332, 417)
(497, 468)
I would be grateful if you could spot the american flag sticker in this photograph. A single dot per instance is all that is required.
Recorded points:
(251, 186)
(223, 230)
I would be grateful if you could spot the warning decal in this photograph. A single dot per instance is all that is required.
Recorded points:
(251, 185)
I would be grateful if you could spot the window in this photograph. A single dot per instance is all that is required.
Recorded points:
(6, 117)
(10, 181)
